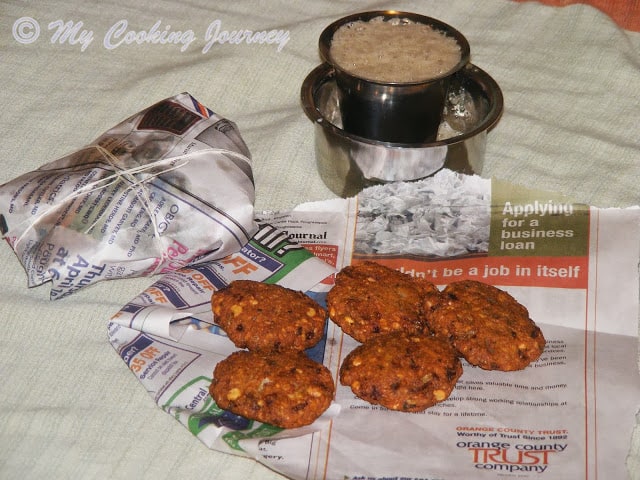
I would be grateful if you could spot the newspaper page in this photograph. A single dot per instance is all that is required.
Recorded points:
(570, 414)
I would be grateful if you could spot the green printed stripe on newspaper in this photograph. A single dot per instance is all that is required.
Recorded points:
(291, 255)
(528, 222)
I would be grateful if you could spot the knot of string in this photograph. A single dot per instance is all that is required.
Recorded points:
(136, 182)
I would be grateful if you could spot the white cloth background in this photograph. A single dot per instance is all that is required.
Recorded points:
(69, 406)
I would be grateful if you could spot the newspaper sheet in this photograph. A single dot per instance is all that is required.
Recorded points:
(568, 415)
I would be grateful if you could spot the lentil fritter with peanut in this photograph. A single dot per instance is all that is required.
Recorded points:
(402, 371)
(487, 326)
(261, 316)
(370, 299)
(285, 389)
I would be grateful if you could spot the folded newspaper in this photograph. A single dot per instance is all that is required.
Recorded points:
(570, 414)
(169, 186)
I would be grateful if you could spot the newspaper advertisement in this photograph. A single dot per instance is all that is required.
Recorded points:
(567, 415)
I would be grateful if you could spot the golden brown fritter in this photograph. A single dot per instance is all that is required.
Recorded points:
(260, 316)
(369, 299)
(402, 371)
(487, 326)
(285, 389)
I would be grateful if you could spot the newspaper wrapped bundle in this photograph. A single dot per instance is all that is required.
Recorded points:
(168, 187)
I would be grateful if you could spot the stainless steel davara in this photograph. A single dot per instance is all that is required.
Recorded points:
(347, 163)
